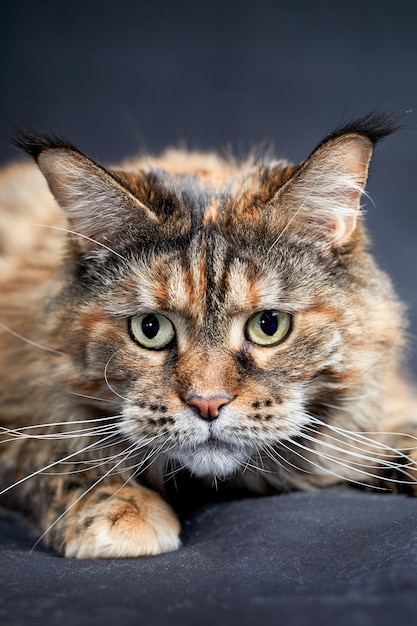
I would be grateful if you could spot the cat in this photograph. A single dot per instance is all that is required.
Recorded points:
(192, 314)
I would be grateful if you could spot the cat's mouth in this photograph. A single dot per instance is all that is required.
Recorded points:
(213, 458)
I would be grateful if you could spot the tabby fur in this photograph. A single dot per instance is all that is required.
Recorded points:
(93, 424)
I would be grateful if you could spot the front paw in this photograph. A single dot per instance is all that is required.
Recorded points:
(119, 523)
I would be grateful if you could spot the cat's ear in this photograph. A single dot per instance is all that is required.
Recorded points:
(97, 205)
(324, 193)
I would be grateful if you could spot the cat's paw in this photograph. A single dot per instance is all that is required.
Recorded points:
(128, 522)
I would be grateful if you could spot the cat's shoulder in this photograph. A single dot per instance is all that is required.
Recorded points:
(27, 208)
(19, 181)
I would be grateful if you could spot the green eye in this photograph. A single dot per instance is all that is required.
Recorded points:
(152, 331)
(268, 328)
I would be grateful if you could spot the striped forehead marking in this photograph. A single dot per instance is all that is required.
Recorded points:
(178, 288)
(197, 282)
(211, 215)
(230, 282)
(239, 290)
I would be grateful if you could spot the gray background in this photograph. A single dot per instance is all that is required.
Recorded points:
(119, 76)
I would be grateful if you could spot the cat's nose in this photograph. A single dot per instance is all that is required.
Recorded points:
(208, 406)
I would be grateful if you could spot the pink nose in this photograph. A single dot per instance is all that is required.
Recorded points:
(208, 407)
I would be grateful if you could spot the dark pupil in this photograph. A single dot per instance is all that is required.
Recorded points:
(269, 323)
(150, 326)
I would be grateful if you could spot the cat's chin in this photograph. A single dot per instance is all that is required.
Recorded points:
(212, 461)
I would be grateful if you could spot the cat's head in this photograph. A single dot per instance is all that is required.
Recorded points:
(219, 309)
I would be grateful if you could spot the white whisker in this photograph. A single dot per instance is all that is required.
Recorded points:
(65, 423)
(54, 463)
(281, 460)
(30, 341)
(68, 231)
(362, 437)
(107, 380)
(82, 236)
(87, 432)
(376, 463)
(73, 393)
(356, 467)
(346, 442)
(327, 470)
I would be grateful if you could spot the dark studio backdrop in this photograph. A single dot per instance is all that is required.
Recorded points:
(120, 76)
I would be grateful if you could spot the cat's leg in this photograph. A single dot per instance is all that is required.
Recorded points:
(79, 513)
(114, 521)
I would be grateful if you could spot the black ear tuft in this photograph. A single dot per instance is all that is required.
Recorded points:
(375, 126)
(33, 142)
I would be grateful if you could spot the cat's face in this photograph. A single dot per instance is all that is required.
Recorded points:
(246, 331)
(216, 317)
(211, 324)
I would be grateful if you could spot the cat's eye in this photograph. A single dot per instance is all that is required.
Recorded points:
(152, 331)
(268, 328)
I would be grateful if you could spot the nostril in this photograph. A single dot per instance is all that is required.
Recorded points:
(208, 406)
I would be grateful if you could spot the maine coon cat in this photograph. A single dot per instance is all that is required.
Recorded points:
(192, 314)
